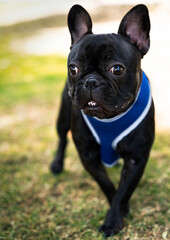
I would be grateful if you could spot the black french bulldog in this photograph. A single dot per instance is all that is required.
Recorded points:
(106, 87)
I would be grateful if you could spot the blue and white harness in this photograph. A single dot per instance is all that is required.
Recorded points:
(109, 132)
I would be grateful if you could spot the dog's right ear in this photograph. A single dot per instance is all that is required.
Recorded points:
(79, 23)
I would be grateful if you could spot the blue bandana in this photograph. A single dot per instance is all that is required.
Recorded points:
(109, 132)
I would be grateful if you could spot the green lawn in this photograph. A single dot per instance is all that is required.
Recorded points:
(36, 205)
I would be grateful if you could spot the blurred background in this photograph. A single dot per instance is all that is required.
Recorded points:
(34, 44)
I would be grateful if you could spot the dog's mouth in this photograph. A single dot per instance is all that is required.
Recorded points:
(93, 108)
(91, 104)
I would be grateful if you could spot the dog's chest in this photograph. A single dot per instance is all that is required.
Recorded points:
(109, 132)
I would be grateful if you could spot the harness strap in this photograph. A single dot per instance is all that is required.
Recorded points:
(109, 132)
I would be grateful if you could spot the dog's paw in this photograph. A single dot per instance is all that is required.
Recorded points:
(111, 229)
(56, 168)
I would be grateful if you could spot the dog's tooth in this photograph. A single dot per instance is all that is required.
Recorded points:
(92, 103)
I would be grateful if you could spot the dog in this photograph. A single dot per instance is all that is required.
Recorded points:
(108, 106)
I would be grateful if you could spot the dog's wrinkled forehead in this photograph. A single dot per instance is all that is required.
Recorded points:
(101, 48)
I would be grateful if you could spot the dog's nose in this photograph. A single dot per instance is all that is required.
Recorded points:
(91, 83)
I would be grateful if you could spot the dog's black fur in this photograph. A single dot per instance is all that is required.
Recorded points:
(106, 68)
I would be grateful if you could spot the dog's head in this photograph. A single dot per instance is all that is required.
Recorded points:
(104, 70)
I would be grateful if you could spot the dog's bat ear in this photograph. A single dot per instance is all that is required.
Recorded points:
(136, 27)
(79, 23)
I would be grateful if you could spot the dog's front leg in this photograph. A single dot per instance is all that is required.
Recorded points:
(131, 174)
(89, 152)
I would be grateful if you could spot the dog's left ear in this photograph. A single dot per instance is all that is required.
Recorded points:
(79, 23)
(136, 26)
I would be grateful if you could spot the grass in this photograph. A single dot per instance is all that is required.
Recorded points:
(34, 204)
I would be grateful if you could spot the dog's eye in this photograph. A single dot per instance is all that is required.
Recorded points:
(117, 69)
(73, 70)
